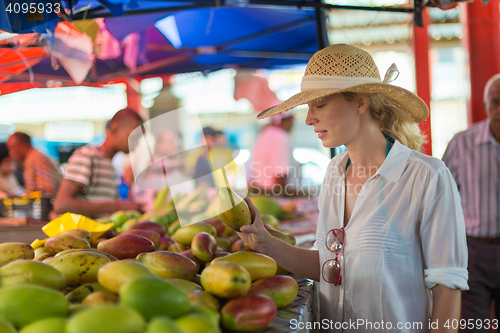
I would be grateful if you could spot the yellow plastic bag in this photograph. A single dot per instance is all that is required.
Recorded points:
(71, 221)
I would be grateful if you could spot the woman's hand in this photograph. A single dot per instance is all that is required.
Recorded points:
(255, 235)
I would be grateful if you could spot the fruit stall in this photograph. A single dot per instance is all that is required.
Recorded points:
(132, 272)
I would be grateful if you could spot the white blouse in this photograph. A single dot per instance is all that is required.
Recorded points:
(406, 234)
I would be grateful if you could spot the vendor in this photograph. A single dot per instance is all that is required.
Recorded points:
(272, 161)
(40, 173)
(9, 186)
(90, 183)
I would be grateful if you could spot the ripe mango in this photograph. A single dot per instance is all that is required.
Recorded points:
(218, 224)
(39, 251)
(31, 272)
(100, 298)
(283, 236)
(185, 285)
(196, 323)
(11, 251)
(82, 233)
(151, 226)
(205, 299)
(59, 243)
(48, 325)
(169, 264)
(185, 234)
(204, 246)
(226, 280)
(239, 245)
(165, 243)
(258, 265)
(224, 242)
(270, 220)
(78, 295)
(25, 304)
(79, 267)
(106, 319)
(126, 246)
(42, 257)
(189, 254)
(233, 210)
(177, 248)
(6, 327)
(163, 325)
(152, 296)
(249, 313)
(151, 235)
(111, 257)
(116, 273)
(282, 289)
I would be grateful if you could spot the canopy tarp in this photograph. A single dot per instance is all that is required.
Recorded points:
(163, 37)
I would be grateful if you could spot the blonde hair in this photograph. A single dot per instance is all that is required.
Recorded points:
(393, 120)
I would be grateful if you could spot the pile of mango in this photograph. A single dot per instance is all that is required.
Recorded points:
(145, 277)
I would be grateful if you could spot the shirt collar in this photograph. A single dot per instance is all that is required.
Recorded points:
(485, 135)
(395, 163)
(393, 166)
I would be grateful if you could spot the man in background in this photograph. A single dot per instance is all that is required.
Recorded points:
(271, 158)
(473, 157)
(90, 183)
(40, 173)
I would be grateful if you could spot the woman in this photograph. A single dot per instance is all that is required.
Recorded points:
(390, 227)
(9, 186)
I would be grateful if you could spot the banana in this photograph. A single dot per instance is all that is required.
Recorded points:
(11, 251)
(160, 197)
(80, 267)
(79, 294)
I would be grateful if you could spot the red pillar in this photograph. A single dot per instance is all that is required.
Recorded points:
(481, 42)
(134, 96)
(423, 75)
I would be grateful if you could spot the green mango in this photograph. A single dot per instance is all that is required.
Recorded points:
(48, 325)
(25, 304)
(152, 296)
(31, 272)
(107, 319)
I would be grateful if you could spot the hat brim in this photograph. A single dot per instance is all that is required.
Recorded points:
(401, 97)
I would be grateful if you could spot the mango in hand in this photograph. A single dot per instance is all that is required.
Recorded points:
(233, 210)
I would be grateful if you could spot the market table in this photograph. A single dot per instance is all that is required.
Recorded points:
(302, 310)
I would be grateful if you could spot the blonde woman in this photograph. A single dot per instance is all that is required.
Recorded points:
(391, 252)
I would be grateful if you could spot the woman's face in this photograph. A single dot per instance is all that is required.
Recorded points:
(7, 166)
(334, 119)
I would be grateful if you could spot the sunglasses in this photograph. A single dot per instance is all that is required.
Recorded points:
(331, 270)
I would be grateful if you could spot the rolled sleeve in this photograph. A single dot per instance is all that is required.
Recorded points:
(442, 232)
(451, 277)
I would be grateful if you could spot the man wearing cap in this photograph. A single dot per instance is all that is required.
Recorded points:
(271, 160)
(90, 186)
(40, 173)
(473, 157)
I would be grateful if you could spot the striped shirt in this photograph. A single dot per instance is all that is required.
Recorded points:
(40, 173)
(92, 169)
(473, 157)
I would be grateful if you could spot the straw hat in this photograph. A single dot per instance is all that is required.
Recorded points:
(340, 68)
